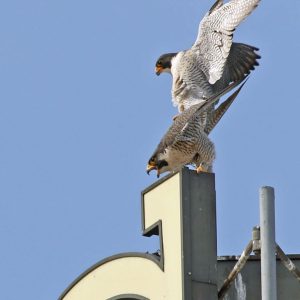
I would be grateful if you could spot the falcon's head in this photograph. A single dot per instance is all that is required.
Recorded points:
(158, 164)
(164, 64)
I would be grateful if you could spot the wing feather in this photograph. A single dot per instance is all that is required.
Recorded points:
(215, 34)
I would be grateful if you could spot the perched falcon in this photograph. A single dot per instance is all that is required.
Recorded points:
(214, 60)
(186, 141)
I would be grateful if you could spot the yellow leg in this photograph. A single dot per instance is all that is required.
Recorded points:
(202, 169)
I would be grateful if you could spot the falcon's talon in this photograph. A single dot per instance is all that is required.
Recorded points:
(200, 169)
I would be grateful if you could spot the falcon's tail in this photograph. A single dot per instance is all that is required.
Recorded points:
(201, 107)
(220, 111)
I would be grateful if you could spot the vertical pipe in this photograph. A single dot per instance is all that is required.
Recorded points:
(268, 245)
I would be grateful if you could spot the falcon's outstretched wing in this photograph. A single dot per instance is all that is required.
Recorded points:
(215, 34)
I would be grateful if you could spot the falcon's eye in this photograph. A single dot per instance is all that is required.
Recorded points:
(152, 159)
(159, 62)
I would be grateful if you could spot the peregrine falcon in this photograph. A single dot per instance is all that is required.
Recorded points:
(214, 60)
(186, 141)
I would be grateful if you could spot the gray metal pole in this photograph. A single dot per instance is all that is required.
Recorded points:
(268, 245)
(199, 235)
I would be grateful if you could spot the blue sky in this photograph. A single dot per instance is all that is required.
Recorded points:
(81, 111)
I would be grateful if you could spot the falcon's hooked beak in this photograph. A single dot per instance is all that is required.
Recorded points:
(159, 69)
(152, 167)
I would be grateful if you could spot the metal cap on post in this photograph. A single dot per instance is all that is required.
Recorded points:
(256, 239)
(268, 244)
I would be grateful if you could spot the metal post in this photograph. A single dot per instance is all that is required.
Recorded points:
(199, 240)
(268, 245)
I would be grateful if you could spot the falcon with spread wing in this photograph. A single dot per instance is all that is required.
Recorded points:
(214, 60)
